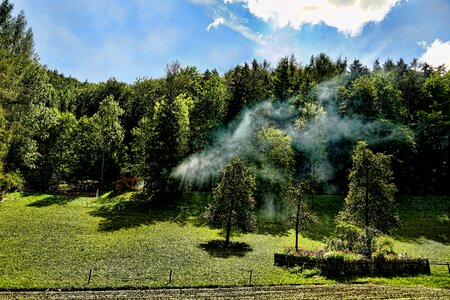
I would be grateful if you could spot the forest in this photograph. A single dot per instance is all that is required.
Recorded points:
(293, 120)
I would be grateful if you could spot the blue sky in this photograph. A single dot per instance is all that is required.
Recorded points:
(129, 39)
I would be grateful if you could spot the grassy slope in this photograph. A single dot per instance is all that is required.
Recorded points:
(51, 241)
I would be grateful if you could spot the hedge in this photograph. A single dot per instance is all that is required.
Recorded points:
(336, 266)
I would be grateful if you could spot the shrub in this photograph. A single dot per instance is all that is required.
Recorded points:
(348, 237)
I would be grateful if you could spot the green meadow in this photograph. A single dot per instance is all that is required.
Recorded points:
(51, 241)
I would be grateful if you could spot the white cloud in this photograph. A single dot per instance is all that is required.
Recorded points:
(224, 16)
(437, 53)
(217, 22)
(246, 32)
(348, 16)
(422, 44)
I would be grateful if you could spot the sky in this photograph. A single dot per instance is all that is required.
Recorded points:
(96, 40)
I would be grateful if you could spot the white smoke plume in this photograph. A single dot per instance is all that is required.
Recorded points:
(310, 136)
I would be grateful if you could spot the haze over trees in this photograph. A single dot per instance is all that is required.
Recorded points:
(56, 129)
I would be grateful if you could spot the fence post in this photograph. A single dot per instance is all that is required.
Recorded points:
(90, 274)
(251, 273)
(428, 269)
(170, 277)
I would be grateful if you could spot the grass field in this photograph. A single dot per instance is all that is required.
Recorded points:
(50, 241)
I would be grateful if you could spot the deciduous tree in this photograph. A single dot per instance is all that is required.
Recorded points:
(110, 131)
(301, 216)
(233, 200)
(370, 200)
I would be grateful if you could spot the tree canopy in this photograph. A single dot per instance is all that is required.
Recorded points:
(233, 200)
(370, 201)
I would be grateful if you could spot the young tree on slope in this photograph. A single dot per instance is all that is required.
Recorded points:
(300, 212)
(370, 201)
(110, 131)
(233, 200)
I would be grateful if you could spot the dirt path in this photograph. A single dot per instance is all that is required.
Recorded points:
(361, 291)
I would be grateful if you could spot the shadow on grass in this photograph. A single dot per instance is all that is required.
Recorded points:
(131, 214)
(430, 228)
(49, 199)
(218, 248)
(275, 228)
(119, 214)
(424, 217)
(321, 230)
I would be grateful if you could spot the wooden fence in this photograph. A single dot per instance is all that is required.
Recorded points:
(336, 266)
(441, 263)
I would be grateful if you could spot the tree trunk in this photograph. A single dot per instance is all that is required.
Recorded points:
(103, 165)
(227, 238)
(368, 236)
(297, 223)
(312, 180)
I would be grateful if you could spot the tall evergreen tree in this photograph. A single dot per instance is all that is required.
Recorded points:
(161, 141)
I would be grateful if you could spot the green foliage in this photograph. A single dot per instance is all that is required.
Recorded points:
(14, 34)
(285, 79)
(209, 110)
(347, 237)
(373, 96)
(385, 248)
(322, 68)
(56, 158)
(247, 86)
(8, 180)
(109, 132)
(161, 141)
(370, 201)
(433, 129)
(85, 145)
(274, 163)
(311, 120)
(305, 272)
(89, 96)
(233, 200)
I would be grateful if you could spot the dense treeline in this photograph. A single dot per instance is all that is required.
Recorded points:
(56, 129)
